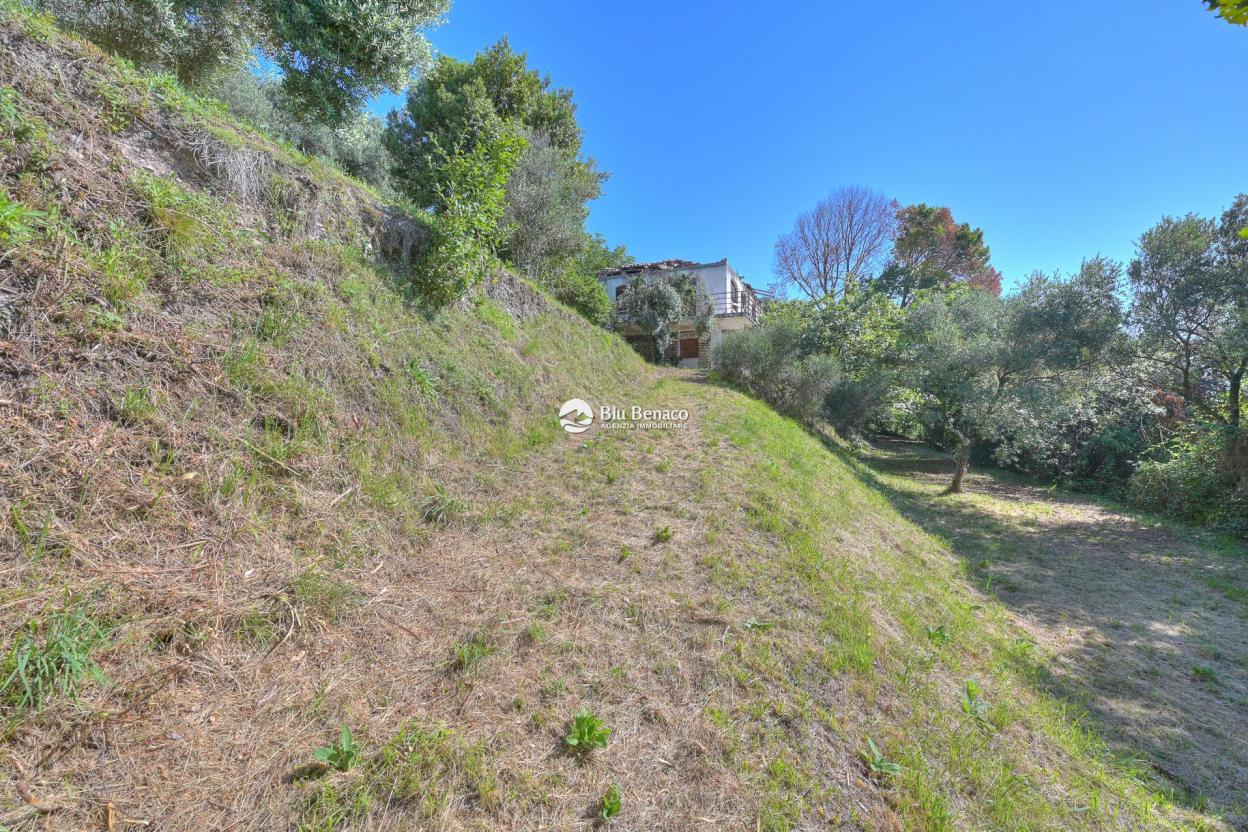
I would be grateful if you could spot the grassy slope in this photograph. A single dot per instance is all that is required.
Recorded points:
(288, 501)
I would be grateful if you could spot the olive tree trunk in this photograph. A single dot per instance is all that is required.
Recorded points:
(962, 461)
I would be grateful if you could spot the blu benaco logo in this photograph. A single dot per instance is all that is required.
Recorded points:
(576, 416)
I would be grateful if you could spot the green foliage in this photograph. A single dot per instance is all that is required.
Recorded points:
(424, 769)
(1232, 11)
(467, 221)
(17, 221)
(52, 656)
(653, 303)
(125, 265)
(457, 111)
(879, 765)
(609, 807)
(457, 105)
(1194, 476)
(187, 221)
(136, 406)
(973, 703)
(332, 56)
(586, 733)
(933, 251)
(342, 755)
(468, 655)
(353, 144)
(774, 361)
(663, 535)
(440, 508)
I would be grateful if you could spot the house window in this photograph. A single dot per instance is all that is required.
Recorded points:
(619, 290)
(688, 348)
(736, 297)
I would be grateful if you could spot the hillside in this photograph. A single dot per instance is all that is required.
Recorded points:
(270, 496)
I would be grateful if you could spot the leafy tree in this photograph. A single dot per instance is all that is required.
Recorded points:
(1232, 11)
(837, 244)
(467, 225)
(355, 144)
(652, 303)
(457, 103)
(333, 54)
(575, 282)
(932, 251)
(1229, 344)
(547, 205)
(1189, 307)
(979, 360)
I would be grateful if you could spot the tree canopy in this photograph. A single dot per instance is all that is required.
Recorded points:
(932, 250)
(333, 54)
(1232, 11)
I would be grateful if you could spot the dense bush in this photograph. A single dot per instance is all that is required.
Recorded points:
(1092, 442)
(467, 226)
(1198, 474)
(768, 361)
(458, 105)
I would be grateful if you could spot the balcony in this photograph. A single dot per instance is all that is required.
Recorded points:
(736, 305)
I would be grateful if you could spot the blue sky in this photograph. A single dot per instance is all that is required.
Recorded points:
(1062, 128)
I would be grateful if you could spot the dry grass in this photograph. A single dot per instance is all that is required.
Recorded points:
(292, 502)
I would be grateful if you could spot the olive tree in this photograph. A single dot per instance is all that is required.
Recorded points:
(333, 54)
(978, 361)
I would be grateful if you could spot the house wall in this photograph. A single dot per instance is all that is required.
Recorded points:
(717, 278)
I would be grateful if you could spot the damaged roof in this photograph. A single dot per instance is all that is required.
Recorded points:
(656, 266)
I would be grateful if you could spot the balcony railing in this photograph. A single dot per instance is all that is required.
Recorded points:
(733, 305)
(727, 305)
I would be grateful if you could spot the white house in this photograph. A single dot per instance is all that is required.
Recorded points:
(735, 304)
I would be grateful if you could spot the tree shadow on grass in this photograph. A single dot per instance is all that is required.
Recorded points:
(1145, 621)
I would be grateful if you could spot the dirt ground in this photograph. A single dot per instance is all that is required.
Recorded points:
(1146, 620)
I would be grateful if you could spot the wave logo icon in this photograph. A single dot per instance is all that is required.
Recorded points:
(576, 416)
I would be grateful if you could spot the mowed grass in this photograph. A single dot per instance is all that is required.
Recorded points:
(309, 503)
(930, 670)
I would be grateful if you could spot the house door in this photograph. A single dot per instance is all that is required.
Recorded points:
(688, 347)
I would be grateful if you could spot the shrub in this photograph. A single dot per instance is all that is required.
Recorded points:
(17, 222)
(467, 222)
(1195, 478)
(768, 361)
(342, 754)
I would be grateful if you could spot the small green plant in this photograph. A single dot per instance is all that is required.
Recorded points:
(663, 535)
(610, 806)
(136, 406)
(17, 222)
(342, 755)
(440, 508)
(51, 657)
(466, 655)
(937, 635)
(973, 703)
(879, 765)
(625, 554)
(324, 595)
(586, 733)
(1206, 674)
(756, 626)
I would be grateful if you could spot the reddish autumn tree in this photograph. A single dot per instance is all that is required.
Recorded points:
(931, 251)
